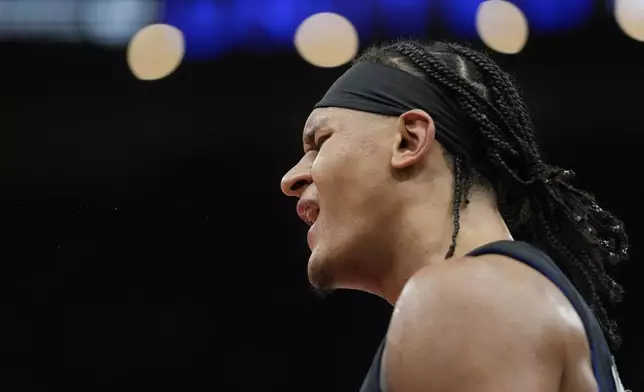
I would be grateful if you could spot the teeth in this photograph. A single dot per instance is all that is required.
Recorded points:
(311, 215)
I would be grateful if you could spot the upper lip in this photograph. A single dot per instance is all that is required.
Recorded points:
(308, 210)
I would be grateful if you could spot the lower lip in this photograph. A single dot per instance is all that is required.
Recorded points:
(310, 237)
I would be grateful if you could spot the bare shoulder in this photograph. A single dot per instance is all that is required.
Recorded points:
(483, 324)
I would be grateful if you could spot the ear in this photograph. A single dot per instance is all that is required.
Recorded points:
(416, 132)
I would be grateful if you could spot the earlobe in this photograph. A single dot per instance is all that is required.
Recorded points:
(416, 131)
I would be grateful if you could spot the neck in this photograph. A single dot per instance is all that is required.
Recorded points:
(425, 236)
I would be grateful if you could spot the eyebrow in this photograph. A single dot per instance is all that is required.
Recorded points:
(318, 123)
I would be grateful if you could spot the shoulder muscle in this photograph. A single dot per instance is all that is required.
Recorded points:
(475, 325)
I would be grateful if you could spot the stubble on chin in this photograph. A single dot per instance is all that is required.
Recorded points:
(321, 279)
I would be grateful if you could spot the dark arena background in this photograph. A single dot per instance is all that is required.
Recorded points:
(146, 244)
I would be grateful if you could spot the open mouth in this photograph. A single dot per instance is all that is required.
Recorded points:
(308, 211)
(312, 215)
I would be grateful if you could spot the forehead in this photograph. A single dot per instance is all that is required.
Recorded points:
(322, 118)
(346, 121)
(334, 119)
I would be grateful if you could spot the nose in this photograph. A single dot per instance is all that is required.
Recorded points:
(295, 182)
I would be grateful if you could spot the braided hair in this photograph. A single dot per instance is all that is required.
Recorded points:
(536, 199)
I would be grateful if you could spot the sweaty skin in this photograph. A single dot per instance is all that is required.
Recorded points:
(485, 324)
(377, 192)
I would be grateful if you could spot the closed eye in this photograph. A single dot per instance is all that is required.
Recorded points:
(320, 142)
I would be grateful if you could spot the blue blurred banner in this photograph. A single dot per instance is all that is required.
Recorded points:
(213, 27)
(555, 16)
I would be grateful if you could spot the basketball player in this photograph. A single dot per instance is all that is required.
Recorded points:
(420, 167)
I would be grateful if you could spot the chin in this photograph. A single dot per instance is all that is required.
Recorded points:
(331, 272)
(319, 272)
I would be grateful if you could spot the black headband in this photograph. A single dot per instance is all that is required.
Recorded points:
(376, 88)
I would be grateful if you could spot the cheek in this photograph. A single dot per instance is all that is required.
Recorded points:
(332, 169)
(346, 177)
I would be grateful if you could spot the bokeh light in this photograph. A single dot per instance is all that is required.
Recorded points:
(630, 17)
(155, 51)
(327, 40)
(502, 26)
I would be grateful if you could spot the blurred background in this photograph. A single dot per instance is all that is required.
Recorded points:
(146, 244)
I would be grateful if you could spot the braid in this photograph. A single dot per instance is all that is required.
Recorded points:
(451, 79)
(456, 204)
(536, 199)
